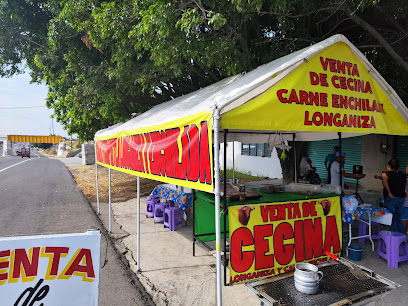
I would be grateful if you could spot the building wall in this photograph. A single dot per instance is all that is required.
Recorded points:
(7, 146)
(253, 165)
(373, 160)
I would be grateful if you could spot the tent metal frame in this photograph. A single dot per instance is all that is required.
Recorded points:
(217, 203)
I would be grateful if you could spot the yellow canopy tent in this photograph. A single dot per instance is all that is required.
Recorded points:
(314, 93)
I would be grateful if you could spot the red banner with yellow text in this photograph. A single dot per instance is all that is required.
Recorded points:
(269, 239)
(179, 152)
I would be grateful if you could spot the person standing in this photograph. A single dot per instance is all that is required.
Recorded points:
(328, 161)
(394, 193)
(335, 171)
(404, 213)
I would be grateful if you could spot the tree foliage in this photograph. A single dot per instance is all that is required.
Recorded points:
(105, 60)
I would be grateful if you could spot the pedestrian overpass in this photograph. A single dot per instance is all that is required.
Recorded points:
(8, 141)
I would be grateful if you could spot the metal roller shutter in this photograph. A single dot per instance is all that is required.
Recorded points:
(318, 150)
(402, 151)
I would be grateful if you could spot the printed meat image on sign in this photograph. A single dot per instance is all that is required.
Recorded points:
(244, 214)
(326, 206)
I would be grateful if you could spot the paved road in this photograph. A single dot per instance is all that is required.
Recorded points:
(38, 196)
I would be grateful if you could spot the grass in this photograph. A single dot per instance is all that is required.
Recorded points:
(123, 184)
(51, 151)
(241, 176)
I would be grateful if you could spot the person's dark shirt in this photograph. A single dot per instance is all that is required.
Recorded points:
(396, 182)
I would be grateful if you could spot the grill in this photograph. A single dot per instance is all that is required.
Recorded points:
(337, 287)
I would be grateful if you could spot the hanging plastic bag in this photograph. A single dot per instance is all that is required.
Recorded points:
(350, 203)
(281, 145)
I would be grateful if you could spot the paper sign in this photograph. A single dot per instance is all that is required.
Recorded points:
(269, 239)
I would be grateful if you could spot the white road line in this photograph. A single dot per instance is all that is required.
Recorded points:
(17, 163)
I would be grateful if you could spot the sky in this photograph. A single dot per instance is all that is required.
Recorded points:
(23, 110)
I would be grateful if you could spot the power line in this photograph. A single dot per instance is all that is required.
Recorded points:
(22, 107)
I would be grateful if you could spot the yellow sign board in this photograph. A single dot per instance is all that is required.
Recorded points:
(331, 92)
(269, 239)
(34, 139)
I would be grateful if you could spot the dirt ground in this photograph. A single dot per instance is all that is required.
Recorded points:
(123, 184)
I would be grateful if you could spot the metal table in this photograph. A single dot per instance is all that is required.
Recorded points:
(368, 222)
(358, 214)
(337, 287)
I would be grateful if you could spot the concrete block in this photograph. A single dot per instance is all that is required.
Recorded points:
(88, 154)
(88, 148)
(7, 146)
(73, 153)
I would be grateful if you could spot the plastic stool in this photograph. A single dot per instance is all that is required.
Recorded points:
(363, 230)
(173, 218)
(150, 206)
(170, 204)
(152, 197)
(393, 247)
(159, 212)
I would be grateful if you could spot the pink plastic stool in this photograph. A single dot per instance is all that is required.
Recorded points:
(363, 230)
(159, 212)
(150, 206)
(173, 217)
(393, 247)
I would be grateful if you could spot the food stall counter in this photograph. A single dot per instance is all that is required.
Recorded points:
(204, 214)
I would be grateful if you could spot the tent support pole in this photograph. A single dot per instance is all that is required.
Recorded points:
(110, 202)
(194, 235)
(233, 162)
(294, 153)
(138, 226)
(225, 207)
(216, 117)
(97, 183)
(341, 166)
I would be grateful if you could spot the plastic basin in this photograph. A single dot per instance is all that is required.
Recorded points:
(354, 252)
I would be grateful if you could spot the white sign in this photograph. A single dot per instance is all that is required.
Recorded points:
(50, 269)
